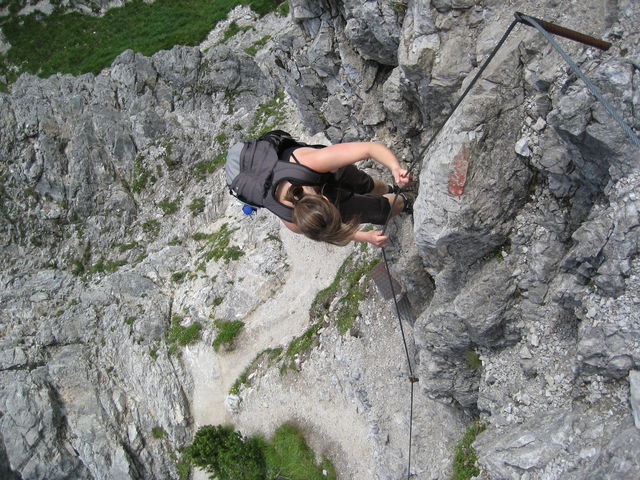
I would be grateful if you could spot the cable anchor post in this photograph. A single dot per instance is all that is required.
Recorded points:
(563, 31)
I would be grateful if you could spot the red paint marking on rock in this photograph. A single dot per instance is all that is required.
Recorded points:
(458, 175)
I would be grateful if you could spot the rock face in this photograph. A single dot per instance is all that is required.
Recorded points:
(521, 264)
(106, 182)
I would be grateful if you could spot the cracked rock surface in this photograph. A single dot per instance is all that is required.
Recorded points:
(520, 261)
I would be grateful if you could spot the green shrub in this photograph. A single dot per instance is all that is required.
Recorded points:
(464, 460)
(227, 332)
(226, 454)
(157, 432)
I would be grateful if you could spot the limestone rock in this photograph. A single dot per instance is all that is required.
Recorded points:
(117, 231)
(634, 386)
(530, 448)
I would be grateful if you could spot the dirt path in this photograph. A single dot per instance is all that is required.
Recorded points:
(274, 323)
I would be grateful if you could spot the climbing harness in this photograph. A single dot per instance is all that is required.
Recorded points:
(389, 286)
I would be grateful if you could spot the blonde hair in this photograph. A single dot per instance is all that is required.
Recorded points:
(319, 219)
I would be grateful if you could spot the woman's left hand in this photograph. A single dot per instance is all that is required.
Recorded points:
(401, 176)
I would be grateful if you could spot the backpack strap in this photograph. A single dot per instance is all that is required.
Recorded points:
(295, 173)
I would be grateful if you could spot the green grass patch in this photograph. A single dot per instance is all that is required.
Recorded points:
(464, 461)
(473, 360)
(221, 139)
(288, 455)
(299, 346)
(123, 247)
(283, 9)
(348, 281)
(269, 116)
(349, 303)
(227, 455)
(400, 6)
(158, 432)
(303, 342)
(141, 176)
(217, 245)
(206, 167)
(151, 227)
(231, 30)
(350, 288)
(257, 45)
(76, 43)
(227, 332)
(77, 267)
(106, 266)
(178, 277)
(179, 335)
(271, 355)
(169, 206)
(196, 206)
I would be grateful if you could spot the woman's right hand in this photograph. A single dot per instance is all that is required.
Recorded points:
(401, 176)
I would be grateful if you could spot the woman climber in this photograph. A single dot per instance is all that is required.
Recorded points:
(332, 211)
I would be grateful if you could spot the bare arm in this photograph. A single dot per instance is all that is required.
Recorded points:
(374, 237)
(333, 157)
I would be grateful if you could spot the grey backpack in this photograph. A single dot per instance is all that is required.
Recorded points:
(254, 171)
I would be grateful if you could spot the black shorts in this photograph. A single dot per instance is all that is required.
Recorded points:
(351, 195)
